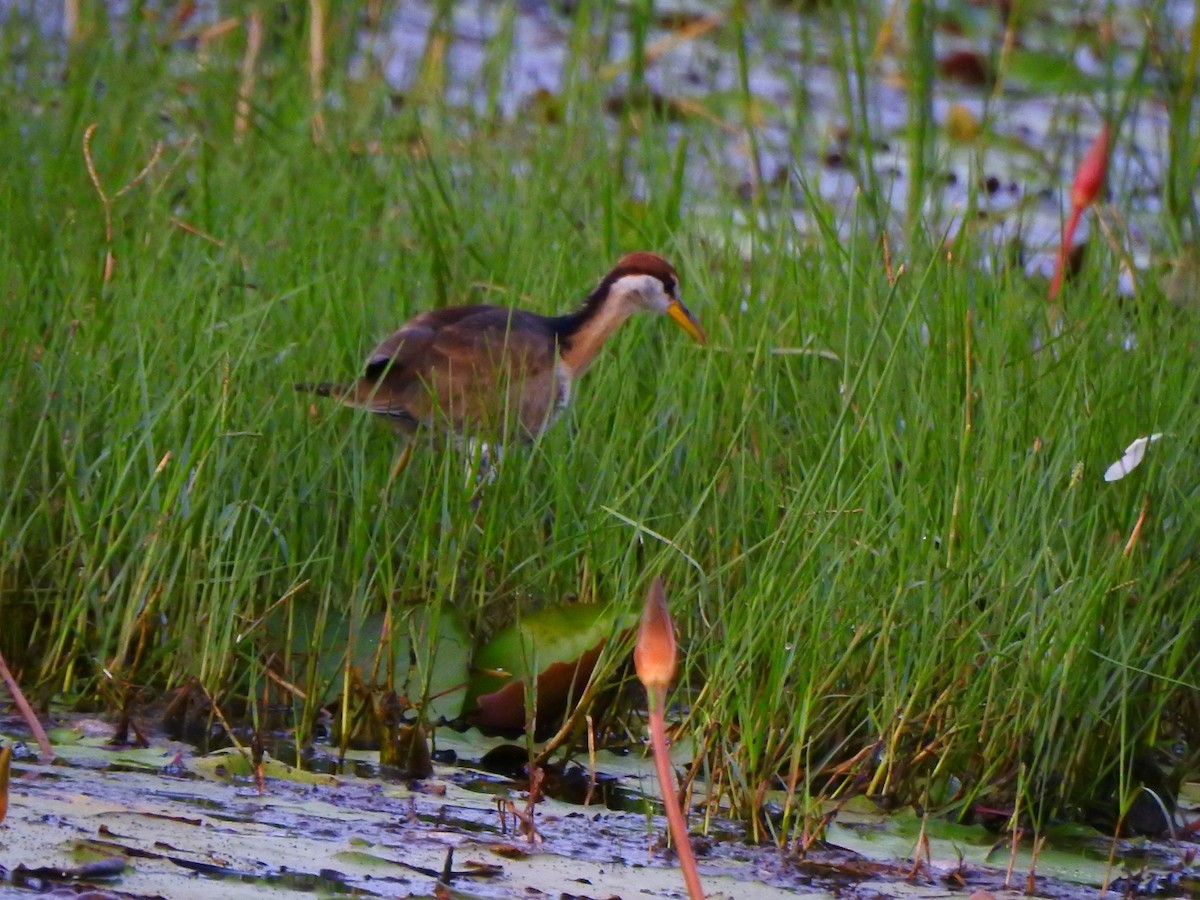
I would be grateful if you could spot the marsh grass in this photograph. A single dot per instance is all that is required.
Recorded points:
(876, 498)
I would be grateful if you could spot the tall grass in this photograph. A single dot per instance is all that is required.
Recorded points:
(888, 544)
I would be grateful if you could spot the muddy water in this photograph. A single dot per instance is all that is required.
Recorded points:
(167, 821)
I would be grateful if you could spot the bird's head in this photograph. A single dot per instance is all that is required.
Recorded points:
(647, 281)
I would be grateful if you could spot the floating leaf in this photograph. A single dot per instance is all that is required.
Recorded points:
(232, 763)
(1134, 454)
(441, 644)
(1049, 72)
(560, 644)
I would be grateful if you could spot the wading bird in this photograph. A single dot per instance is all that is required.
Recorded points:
(497, 374)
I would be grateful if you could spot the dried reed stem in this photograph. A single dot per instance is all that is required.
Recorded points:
(316, 66)
(254, 33)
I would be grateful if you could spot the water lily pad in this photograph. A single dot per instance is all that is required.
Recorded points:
(427, 658)
(233, 763)
(1046, 71)
(559, 644)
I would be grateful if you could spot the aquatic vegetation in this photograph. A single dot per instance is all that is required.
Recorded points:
(878, 494)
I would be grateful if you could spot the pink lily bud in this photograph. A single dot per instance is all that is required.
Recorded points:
(1093, 169)
(1089, 181)
(654, 655)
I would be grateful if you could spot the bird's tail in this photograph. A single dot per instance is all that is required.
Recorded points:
(361, 395)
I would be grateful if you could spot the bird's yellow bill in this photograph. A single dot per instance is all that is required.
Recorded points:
(687, 321)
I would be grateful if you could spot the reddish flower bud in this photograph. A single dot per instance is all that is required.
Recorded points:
(1093, 169)
(654, 655)
(1089, 181)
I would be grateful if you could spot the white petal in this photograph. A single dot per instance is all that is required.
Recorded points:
(1134, 454)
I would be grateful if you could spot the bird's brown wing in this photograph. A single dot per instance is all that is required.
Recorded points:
(483, 369)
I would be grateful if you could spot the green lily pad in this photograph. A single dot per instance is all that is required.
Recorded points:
(232, 763)
(1043, 71)
(560, 645)
(427, 657)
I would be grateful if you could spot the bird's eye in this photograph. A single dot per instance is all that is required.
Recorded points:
(669, 286)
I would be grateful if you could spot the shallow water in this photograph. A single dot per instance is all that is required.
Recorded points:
(1069, 67)
(168, 821)
(192, 828)
(1042, 116)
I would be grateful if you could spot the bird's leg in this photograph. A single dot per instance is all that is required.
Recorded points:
(482, 459)
(489, 461)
